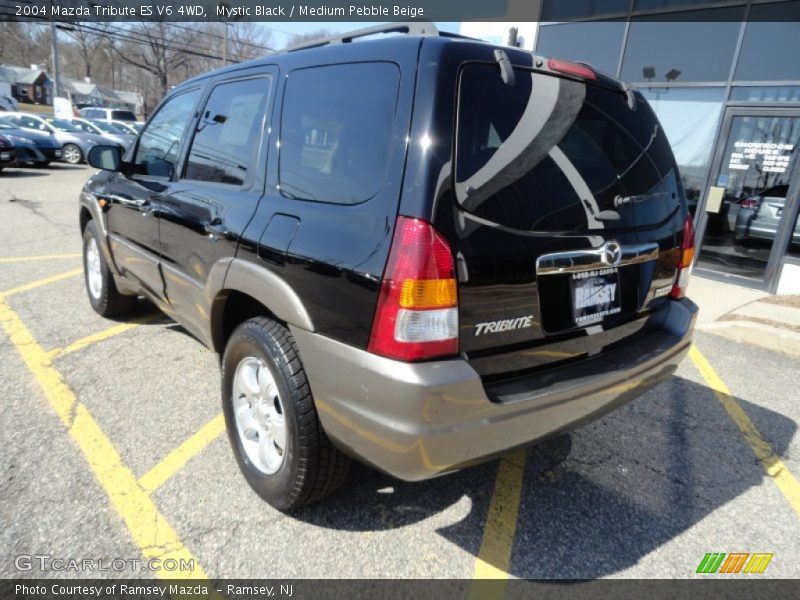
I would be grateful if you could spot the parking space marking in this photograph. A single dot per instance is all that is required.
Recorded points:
(776, 469)
(494, 555)
(100, 336)
(40, 282)
(172, 463)
(13, 259)
(150, 530)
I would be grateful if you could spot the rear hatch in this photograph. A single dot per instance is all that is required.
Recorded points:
(569, 211)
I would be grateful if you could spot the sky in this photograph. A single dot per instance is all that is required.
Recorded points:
(281, 31)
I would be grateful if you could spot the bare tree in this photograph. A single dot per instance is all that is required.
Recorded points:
(88, 43)
(248, 40)
(299, 38)
(157, 49)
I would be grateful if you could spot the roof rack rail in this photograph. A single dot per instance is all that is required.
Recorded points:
(409, 28)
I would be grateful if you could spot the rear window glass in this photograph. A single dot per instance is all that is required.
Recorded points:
(550, 153)
(123, 115)
(336, 131)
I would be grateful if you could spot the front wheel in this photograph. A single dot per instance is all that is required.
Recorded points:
(71, 154)
(271, 419)
(104, 296)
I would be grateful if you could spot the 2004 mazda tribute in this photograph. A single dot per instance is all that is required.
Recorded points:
(418, 251)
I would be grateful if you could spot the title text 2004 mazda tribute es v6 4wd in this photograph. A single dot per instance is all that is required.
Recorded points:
(418, 251)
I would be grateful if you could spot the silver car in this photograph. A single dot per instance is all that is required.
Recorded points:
(759, 215)
(102, 129)
(75, 144)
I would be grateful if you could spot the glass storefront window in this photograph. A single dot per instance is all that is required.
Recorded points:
(558, 10)
(655, 4)
(776, 93)
(771, 44)
(598, 43)
(664, 49)
(690, 117)
(759, 164)
(794, 244)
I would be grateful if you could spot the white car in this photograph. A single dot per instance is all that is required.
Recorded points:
(107, 114)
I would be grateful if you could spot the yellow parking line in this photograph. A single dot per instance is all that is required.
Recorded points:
(494, 555)
(39, 283)
(159, 474)
(12, 259)
(151, 531)
(101, 336)
(774, 466)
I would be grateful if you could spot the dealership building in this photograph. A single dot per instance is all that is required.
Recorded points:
(724, 79)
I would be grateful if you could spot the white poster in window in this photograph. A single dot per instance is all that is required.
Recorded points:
(766, 157)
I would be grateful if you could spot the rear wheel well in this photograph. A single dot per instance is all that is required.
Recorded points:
(238, 307)
(85, 217)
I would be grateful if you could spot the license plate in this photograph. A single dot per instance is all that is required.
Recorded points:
(595, 295)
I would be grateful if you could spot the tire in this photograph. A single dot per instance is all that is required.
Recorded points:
(100, 287)
(72, 154)
(309, 467)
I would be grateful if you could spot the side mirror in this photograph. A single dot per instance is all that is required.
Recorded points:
(105, 157)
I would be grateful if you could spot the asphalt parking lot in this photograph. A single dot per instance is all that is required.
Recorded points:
(114, 448)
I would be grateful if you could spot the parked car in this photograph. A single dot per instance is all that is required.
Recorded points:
(32, 147)
(8, 154)
(75, 144)
(112, 129)
(108, 134)
(455, 249)
(107, 114)
(760, 214)
(127, 126)
(7, 103)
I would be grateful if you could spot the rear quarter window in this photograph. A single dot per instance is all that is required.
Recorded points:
(336, 131)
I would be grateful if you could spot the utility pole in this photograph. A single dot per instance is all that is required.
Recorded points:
(225, 47)
(54, 41)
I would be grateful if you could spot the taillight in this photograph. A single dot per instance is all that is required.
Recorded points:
(570, 68)
(685, 263)
(417, 313)
(750, 203)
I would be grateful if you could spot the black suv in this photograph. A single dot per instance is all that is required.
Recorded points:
(418, 251)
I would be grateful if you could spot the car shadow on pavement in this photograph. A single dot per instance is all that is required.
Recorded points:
(19, 174)
(632, 481)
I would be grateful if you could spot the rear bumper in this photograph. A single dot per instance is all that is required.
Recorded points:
(416, 421)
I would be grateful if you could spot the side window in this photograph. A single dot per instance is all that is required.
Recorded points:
(31, 123)
(159, 144)
(228, 132)
(336, 131)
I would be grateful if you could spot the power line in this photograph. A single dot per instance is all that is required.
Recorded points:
(132, 35)
(140, 38)
(216, 35)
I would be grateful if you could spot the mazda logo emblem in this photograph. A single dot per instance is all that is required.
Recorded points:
(612, 253)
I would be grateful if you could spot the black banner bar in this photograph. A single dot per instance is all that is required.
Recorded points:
(745, 587)
(69, 11)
